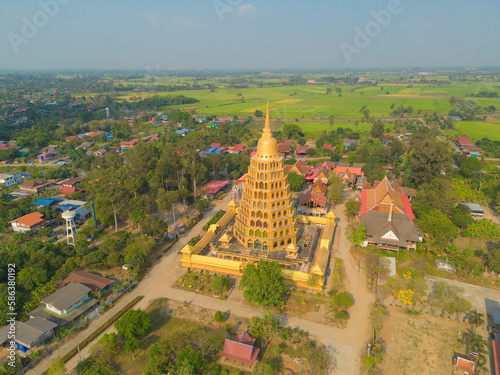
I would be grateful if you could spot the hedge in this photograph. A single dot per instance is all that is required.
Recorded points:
(98, 331)
(213, 220)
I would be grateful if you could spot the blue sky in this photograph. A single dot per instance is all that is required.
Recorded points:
(247, 34)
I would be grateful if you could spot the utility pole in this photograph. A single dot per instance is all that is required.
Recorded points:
(79, 354)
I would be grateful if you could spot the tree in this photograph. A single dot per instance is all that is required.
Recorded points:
(133, 324)
(131, 345)
(438, 226)
(264, 284)
(477, 320)
(57, 367)
(343, 300)
(265, 327)
(352, 207)
(154, 227)
(430, 156)
(459, 306)
(335, 187)
(105, 347)
(296, 181)
(443, 295)
(377, 130)
(189, 361)
(258, 113)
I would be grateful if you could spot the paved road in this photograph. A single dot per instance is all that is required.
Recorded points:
(344, 344)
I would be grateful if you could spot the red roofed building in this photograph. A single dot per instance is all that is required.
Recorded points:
(496, 355)
(239, 147)
(241, 349)
(330, 147)
(463, 366)
(68, 190)
(464, 142)
(32, 221)
(125, 145)
(387, 215)
(213, 187)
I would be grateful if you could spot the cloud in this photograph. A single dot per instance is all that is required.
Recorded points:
(183, 22)
(151, 17)
(245, 9)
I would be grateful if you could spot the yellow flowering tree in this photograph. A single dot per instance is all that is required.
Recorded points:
(406, 296)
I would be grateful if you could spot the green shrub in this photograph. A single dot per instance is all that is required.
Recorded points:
(465, 233)
(304, 302)
(341, 315)
(224, 372)
(218, 317)
(193, 241)
(193, 277)
(215, 370)
(318, 294)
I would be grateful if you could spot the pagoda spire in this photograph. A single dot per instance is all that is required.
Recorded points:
(267, 125)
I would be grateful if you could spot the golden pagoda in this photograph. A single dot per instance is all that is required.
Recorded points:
(265, 217)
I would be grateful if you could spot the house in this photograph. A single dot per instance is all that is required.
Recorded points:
(95, 134)
(301, 151)
(73, 138)
(32, 221)
(330, 148)
(32, 187)
(285, 147)
(90, 280)
(66, 304)
(8, 179)
(241, 349)
(387, 215)
(474, 209)
(29, 334)
(183, 132)
(86, 145)
(125, 145)
(468, 147)
(349, 142)
(100, 153)
(46, 156)
(350, 175)
(71, 181)
(47, 202)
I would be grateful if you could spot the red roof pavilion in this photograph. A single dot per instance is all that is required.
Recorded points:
(241, 349)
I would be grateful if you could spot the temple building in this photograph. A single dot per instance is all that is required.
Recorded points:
(263, 225)
(265, 217)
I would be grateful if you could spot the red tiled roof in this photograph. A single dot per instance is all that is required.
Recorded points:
(213, 187)
(241, 349)
(30, 220)
(464, 141)
(353, 170)
(496, 356)
(243, 178)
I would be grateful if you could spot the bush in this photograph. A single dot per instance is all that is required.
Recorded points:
(219, 283)
(465, 233)
(304, 302)
(193, 277)
(218, 317)
(193, 241)
(215, 369)
(341, 315)
(224, 372)
(229, 328)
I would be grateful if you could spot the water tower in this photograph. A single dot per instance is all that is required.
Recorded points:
(69, 216)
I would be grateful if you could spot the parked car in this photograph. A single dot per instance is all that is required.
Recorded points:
(180, 228)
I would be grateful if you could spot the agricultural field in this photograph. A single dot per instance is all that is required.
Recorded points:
(314, 128)
(312, 101)
(477, 130)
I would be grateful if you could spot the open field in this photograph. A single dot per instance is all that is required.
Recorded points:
(421, 345)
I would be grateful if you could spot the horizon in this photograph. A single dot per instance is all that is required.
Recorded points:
(234, 35)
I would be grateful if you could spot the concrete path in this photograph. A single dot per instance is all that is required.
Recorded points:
(344, 344)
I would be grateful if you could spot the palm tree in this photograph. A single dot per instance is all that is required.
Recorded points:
(480, 346)
(477, 320)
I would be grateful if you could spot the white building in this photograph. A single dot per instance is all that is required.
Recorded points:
(8, 179)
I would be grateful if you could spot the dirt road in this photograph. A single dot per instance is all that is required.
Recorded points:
(345, 345)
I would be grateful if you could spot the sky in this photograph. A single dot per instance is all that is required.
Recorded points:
(157, 35)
